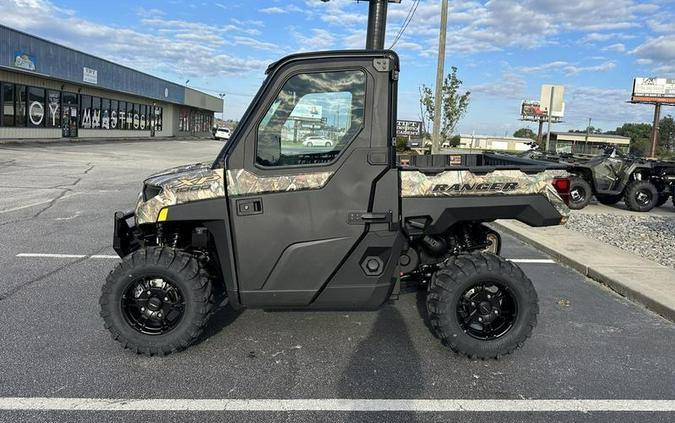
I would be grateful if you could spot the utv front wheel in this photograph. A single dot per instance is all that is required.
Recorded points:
(482, 306)
(157, 301)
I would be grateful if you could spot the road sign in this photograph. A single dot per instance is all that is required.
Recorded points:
(409, 128)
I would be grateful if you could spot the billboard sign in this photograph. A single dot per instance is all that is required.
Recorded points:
(653, 90)
(307, 111)
(531, 109)
(24, 60)
(90, 75)
(558, 93)
(409, 128)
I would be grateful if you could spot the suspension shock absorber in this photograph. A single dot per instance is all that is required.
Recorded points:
(160, 234)
(174, 242)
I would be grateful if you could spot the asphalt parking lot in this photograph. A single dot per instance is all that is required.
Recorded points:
(590, 344)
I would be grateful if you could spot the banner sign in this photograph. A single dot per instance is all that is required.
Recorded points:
(24, 60)
(90, 75)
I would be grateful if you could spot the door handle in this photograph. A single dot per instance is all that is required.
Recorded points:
(249, 206)
(360, 218)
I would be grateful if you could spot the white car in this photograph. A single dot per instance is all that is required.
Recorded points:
(222, 134)
(317, 141)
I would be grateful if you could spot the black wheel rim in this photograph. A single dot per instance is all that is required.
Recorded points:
(487, 310)
(577, 194)
(643, 197)
(153, 305)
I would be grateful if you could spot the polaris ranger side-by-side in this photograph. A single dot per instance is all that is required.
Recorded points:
(272, 224)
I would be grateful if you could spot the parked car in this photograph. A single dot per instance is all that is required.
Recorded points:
(317, 141)
(222, 134)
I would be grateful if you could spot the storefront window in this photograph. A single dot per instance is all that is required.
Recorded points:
(122, 115)
(143, 116)
(8, 104)
(105, 113)
(95, 112)
(36, 107)
(53, 109)
(20, 105)
(134, 117)
(85, 111)
(158, 118)
(113, 114)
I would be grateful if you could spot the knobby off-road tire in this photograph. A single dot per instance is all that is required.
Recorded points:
(580, 193)
(607, 199)
(641, 196)
(171, 277)
(452, 286)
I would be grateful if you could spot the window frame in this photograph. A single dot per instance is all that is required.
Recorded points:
(2, 112)
(271, 100)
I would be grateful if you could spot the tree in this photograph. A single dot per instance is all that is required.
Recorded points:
(454, 105)
(426, 110)
(639, 134)
(666, 134)
(525, 133)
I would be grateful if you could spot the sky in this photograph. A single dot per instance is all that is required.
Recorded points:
(504, 49)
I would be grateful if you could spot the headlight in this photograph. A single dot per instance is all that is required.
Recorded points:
(151, 191)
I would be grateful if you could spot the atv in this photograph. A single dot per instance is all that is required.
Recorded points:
(613, 176)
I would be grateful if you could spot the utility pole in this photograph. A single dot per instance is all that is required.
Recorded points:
(655, 129)
(438, 107)
(549, 113)
(588, 132)
(377, 24)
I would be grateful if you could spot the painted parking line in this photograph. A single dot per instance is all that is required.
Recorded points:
(532, 261)
(104, 256)
(46, 255)
(360, 405)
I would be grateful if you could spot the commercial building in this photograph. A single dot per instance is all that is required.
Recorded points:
(51, 91)
(579, 142)
(489, 142)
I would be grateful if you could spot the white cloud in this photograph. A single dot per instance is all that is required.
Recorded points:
(618, 47)
(318, 39)
(658, 53)
(509, 85)
(272, 10)
(567, 68)
(252, 42)
(606, 106)
(171, 46)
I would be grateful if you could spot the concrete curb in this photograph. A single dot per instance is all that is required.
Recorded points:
(625, 275)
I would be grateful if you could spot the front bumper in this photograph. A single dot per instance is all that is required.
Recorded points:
(125, 240)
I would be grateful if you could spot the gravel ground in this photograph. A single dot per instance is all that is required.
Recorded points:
(647, 236)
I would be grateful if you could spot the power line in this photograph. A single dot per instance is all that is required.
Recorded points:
(406, 22)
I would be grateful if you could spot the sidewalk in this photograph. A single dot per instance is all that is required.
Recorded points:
(636, 278)
(62, 141)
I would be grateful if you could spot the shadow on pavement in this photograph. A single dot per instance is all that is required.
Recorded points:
(385, 365)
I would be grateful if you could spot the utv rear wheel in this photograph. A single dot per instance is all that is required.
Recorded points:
(608, 200)
(641, 196)
(482, 306)
(580, 193)
(157, 301)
